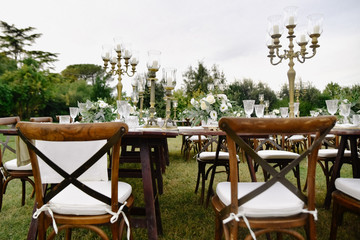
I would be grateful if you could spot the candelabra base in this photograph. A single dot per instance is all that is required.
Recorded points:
(169, 124)
(151, 123)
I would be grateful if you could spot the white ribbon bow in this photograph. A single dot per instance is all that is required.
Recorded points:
(46, 207)
(115, 217)
(235, 217)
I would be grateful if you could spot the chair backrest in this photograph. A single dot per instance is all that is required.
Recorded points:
(236, 127)
(71, 150)
(10, 121)
(41, 119)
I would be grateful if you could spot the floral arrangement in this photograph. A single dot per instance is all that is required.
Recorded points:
(98, 111)
(212, 106)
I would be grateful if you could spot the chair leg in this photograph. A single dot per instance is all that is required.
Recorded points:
(23, 192)
(336, 220)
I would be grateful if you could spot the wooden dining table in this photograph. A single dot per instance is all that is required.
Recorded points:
(351, 134)
(145, 139)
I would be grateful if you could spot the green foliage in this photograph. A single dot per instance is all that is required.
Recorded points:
(6, 64)
(198, 79)
(100, 89)
(14, 41)
(87, 72)
(247, 89)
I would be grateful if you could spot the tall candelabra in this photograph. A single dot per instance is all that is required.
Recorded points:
(275, 30)
(123, 54)
(169, 84)
(175, 104)
(153, 66)
(141, 89)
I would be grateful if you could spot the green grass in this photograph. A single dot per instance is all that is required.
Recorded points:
(182, 215)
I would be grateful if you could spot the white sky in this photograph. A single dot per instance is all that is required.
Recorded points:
(228, 33)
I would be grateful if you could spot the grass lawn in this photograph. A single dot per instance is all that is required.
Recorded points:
(182, 215)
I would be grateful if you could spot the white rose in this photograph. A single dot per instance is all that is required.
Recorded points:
(223, 96)
(203, 105)
(210, 99)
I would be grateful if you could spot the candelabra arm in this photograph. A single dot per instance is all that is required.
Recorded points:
(314, 53)
(272, 62)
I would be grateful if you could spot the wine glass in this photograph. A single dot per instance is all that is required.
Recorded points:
(284, 111)
(74, 111)
(259, 110)
(248, 107)
(344, 110)
(296, 108)
(332, 106)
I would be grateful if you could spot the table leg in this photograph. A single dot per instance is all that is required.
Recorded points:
(149, 195)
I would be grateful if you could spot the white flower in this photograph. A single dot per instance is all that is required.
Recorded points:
(276, 111)
(203, 105)
(194, 102)
(229, 105)
(213, 115)
(210, 98)
(223, 107)
(102, 104)
(223, 96)
(132, 110)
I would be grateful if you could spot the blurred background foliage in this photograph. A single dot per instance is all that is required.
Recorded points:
(30, 88)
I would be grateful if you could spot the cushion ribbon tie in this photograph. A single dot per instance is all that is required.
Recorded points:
(235, 217)
(314, 213)
(115, 217)
(46, 207)
(3, 173)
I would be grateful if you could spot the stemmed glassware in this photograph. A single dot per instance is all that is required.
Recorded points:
(296, 109)
(74, 111)
(332, 106)
(259, 110)
(248, 107)
(344, 110)
(123, 109)
(284, 111)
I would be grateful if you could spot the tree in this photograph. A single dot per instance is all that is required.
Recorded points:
(29, 88)
(6, 64)
(14, 41)
(246, 89)
(88, 72)
(198, 79)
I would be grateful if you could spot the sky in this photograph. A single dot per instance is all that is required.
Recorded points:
(231, 34)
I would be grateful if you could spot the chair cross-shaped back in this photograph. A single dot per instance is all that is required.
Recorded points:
(73, 159)
(276, 205)
(10, 170)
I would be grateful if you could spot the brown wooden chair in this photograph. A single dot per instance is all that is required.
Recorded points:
(41, 119)
(345, 198)
(276, 205)
(10, 170)
(73, 158)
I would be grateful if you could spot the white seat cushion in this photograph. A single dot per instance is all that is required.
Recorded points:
(332, 153)
(211, 156)
(350, 186)
(277, 201)
(73, 201)
(12, 165)
(196, 138)
(296, 138)
(277, 154)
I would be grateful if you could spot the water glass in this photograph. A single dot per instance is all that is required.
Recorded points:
(248, 107)
(344, 110)
(284, 111)
(356, 119)
(64, 119)
(259, 110)
(332, 106)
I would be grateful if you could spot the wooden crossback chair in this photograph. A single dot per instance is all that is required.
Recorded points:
(10, 170)
(73, 158)
(276, 205)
